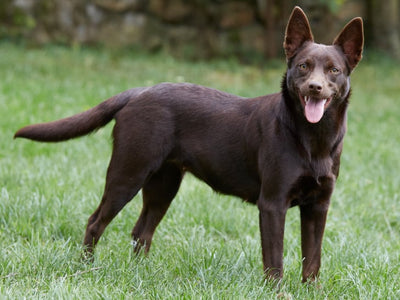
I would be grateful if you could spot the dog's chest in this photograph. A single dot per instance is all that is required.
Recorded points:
(314, 183)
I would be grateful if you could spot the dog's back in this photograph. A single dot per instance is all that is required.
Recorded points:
(205, 131)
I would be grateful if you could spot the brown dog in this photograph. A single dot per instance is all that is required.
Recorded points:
(276, 151)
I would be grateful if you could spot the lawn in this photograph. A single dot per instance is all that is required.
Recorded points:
(208, 245)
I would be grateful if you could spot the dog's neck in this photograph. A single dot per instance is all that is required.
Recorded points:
(320, 138)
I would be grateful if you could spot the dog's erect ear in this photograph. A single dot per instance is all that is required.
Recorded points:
(351, 41)
(297, 32)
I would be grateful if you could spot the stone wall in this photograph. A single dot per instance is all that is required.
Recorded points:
(185, 28)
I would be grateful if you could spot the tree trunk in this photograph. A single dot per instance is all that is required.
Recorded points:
(274, 14)
(385, 25)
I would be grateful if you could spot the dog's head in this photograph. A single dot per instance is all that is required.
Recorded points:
(318, 75)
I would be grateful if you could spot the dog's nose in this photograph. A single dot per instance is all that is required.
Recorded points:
(315, 86)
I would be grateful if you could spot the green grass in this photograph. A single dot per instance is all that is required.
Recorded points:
(208, 245)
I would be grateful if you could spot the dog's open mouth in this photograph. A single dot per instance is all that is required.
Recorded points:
(314, 107)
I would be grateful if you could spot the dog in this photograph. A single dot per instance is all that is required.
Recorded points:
(276, 151)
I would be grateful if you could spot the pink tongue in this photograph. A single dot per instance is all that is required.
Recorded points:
(314, 110)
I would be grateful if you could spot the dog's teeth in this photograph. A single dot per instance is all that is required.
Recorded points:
(306, 99)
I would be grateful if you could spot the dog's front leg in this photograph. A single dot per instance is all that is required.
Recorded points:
(272, 225)
(313, 218)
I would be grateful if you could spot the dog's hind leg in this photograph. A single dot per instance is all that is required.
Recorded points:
(158, 194)
(119, 190)
(141, 145)
(126, 175)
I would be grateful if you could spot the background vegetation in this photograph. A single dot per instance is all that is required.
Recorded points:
(207, 246)
(193, 28)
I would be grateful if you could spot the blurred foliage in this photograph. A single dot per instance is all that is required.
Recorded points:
(39, 22)
(333, 5)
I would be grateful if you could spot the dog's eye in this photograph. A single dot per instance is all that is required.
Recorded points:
(334, 70)
(303, 66)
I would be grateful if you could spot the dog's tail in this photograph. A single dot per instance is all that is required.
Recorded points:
(79, 124)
